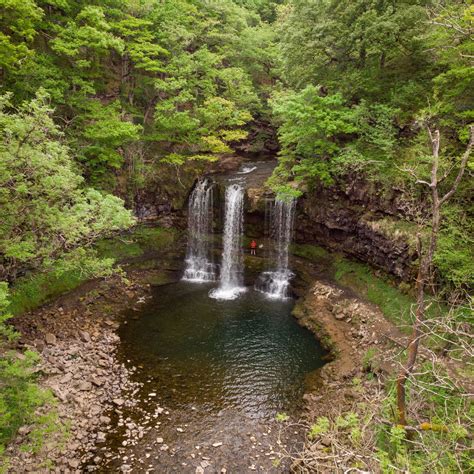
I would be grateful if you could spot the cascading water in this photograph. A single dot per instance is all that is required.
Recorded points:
(275, 283)
(199, 264)
(231, 277)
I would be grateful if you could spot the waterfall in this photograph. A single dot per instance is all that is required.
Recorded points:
(199, 264)
(231, 277)
(275, 283)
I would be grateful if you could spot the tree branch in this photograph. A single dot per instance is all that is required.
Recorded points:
(462, 167)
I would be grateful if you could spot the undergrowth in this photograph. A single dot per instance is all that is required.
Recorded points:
(442, 420)
(360, 436)
(363, 435)
(21, 398)
(136, 243)
(394, 304)
(35, 289)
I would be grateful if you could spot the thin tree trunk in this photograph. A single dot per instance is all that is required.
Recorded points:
(426, 264)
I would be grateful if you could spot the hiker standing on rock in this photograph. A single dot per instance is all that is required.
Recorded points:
(253, 247)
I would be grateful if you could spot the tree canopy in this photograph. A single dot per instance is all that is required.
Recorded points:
(139, 87)
(101, 100)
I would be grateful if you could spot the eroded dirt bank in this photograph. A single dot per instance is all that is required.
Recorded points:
(364, 348)
(348, 327)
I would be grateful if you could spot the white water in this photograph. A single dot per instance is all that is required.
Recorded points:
(247, 170)
(199, 264)
(231, 282)
(276, 283)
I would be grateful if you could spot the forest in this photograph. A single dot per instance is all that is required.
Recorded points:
(104, 103)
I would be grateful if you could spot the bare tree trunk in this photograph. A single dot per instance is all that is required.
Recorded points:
(426, 264)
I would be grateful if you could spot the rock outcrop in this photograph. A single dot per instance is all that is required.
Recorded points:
(354, 218)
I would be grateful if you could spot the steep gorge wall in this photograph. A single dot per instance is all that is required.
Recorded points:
(355, 218)
(163, 194)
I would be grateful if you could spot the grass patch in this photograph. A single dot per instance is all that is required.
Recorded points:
(309, 252)
(394, 300)
(158, 279)
(382, 291)
(395, 229)
(154, 238)
(32, 291)
(255, 264)
(20, 399)
(394, 304)
(136, 243)
(119, 248)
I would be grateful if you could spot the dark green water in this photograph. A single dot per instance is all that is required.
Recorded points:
(248, 355)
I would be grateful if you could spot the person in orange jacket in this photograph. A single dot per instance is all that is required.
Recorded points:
(253, 247)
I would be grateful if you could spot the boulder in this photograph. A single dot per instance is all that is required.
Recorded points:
(85, 386)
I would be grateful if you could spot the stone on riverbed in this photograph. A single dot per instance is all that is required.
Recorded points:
(85, 336)
(85, 386)
(50, 339)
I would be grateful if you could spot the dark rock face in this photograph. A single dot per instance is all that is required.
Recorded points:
(165, 197)
(346, 217)
(149, 205)
(343, 218)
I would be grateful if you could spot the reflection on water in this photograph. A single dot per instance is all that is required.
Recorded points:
(247, 355)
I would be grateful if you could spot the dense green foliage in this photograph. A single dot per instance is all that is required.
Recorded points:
(49, 221)
(138, 88)
(139, 83)
(20, 396)
(100, 99)
(93, 93)
(47, 215)
(360, 82)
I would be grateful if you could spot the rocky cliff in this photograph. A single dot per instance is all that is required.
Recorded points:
(356, 218)
(353, 216)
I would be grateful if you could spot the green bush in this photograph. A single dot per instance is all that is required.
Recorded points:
(20, 395)
(321, 426)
